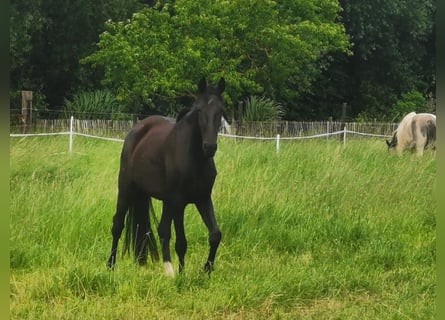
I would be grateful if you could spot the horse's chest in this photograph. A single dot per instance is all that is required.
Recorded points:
(194, 181)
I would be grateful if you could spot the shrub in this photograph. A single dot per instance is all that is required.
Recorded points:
(99, 104)
(262, 109)
(410, 101)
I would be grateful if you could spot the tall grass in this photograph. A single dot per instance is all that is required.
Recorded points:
(317, 231)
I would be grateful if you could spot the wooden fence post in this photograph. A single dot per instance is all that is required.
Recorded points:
(26, 109)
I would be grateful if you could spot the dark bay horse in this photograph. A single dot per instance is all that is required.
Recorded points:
(171, 161)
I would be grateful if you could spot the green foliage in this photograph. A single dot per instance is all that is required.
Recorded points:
(258, 46)
(47, 39)
(39, 103)
(100, 104)
(317, 231)
(394, 53)
(25, 19)
(294, 52)
(262, 109)
(410, 101)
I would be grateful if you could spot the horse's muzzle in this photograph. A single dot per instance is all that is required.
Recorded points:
(209, 149)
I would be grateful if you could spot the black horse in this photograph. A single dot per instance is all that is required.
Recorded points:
(171, 161)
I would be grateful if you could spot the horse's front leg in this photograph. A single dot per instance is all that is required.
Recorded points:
(181, 240)
(164, 232)
(205, 208)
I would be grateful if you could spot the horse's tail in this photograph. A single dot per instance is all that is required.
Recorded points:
(152, 246)
(139, 236)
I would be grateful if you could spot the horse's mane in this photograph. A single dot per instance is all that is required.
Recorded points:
(211, 90)
(181, 114)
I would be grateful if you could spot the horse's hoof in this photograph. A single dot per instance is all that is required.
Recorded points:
(110, 264)
(168, 268)
(208, 267)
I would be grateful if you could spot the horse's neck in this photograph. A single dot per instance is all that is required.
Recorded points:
(187, 130)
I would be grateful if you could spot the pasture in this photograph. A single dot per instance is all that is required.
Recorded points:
(317, 231)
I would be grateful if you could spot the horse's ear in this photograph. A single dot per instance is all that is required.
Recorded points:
(221, 85)
(202, 85)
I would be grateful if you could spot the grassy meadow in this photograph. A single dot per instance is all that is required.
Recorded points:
(317, 231)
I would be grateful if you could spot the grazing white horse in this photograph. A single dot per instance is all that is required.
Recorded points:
(416, 131)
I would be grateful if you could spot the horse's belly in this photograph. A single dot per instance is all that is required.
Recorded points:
(194, 193)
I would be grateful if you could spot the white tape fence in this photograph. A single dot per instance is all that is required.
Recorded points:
(277, 138)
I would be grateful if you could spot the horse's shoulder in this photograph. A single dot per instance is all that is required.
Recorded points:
(149, 124)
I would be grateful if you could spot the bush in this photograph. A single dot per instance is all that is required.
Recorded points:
(410, 101)
(99, 104)
(262, 109)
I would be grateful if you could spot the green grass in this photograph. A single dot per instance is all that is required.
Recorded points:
(317, 231)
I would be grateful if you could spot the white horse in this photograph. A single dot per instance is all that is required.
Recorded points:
(415, 132)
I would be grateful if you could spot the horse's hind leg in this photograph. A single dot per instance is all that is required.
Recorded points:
(118, 225)
(144, 237)
(419, 150)
(421, 145)
(140, 228)
(152, 246)
(206, 210)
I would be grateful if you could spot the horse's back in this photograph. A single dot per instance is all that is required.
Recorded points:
(152, 128)
(425, 118)
(155, 123)
(142, 153)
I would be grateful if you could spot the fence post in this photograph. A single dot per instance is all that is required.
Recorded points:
(278, 143)
(71, 133)
(329, 127)
(344, 136)
(327, 130)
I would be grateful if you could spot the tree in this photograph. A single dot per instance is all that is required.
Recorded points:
(293, 52)
(393, 52)
(25, 20)
(49, 37)
(259, 46)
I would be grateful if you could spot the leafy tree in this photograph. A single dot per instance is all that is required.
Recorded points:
(410, 101)
(25, 20)
(293, 52)
(393, 52)
(47, 39)
(259, 46)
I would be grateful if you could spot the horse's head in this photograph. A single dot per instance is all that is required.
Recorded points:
(209, 106)
(393, 143)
